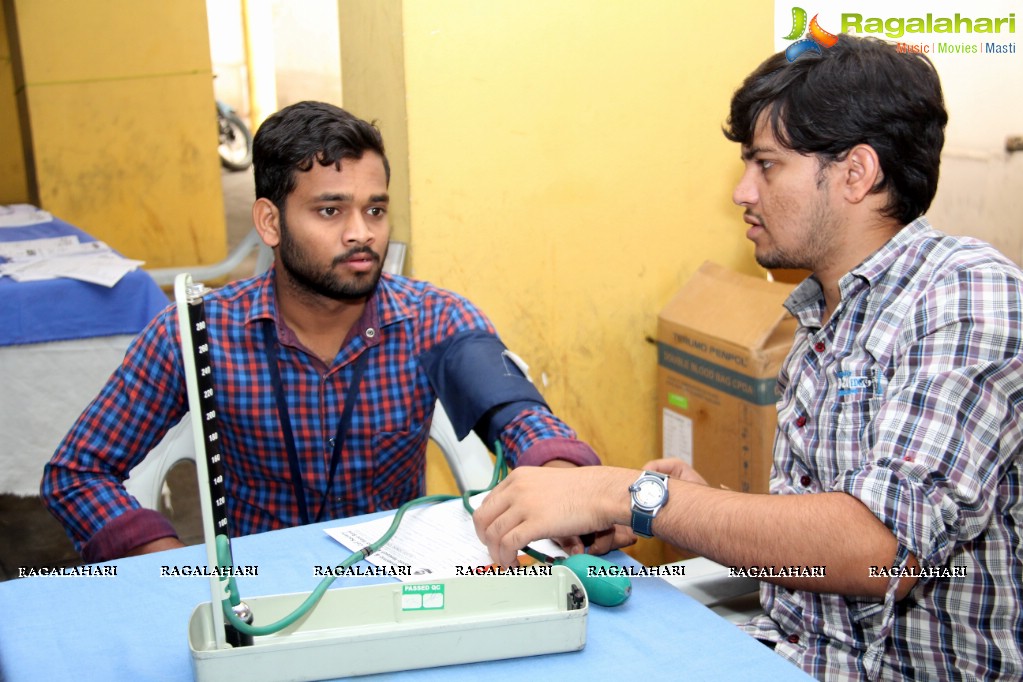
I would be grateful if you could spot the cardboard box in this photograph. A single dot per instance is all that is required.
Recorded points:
(720, 344)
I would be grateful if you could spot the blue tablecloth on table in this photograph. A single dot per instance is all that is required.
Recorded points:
(134, 626)
(64, 309)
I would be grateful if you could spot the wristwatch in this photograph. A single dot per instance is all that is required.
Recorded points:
(649, 494)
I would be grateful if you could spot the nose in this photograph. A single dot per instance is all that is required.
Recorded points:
(745, 192)
(356, 231)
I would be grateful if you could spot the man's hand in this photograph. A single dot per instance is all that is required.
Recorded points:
(675, 468)
(553, 502)
(599, 542)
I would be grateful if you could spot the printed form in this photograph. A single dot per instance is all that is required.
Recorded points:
(431, 540)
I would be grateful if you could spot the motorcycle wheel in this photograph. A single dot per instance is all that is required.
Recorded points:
(235, 146)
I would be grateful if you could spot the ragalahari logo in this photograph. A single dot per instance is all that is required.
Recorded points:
(816, 38)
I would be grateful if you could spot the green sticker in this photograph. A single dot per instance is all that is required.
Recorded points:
(423, 597)
(679, 401)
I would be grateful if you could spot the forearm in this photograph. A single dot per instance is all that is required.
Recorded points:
(103, 521)
(138, 531)
(82, 499)
(83, 484)
(832, 531)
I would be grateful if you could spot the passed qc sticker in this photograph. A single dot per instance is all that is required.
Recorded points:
(423, 597)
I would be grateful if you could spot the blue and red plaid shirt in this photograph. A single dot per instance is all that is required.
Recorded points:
(383, 460)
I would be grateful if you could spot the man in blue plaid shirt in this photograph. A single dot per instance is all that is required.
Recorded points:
(890, 546)
(326, 370)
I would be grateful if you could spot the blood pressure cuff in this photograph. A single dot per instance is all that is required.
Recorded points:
(478, 384)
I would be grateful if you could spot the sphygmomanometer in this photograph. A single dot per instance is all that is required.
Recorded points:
(512, 391)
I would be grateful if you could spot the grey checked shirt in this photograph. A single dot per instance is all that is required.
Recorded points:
(909, 399)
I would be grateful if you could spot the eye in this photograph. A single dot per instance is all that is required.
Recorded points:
(377, 211)
(765, 164)
(328, 211)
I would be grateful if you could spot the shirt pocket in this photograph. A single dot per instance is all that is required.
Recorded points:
(857, 397)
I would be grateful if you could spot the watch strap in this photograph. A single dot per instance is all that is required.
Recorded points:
(642, 524)
(642, 519)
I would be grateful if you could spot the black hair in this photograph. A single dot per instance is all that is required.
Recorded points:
(859, 91)
(293, 138)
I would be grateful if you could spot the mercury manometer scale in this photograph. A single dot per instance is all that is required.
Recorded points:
(195, 348)
(333, 633)
(207, 406)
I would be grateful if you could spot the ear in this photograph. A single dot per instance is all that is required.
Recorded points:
(862, 172)
(267, 219)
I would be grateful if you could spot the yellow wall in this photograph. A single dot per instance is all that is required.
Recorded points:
(567, 172)
(373, 87)
(121, 123)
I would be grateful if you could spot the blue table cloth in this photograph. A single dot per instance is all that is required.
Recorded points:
(65, 309)
(133, 626)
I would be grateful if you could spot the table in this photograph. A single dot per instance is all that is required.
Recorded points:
(59, 341)
(133, 626)
(63, 309)
(46, 387)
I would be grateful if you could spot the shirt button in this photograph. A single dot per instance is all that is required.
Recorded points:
(370, 333)
(794, 639)
(819, 346)
(804, 481)
(801, 421)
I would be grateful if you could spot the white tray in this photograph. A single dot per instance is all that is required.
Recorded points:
(385, 628)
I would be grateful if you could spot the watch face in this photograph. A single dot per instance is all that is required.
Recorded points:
(649, 493)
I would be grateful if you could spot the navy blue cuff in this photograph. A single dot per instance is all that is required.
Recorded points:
(472, 376)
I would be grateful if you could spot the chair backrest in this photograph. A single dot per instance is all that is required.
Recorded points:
(470, 462)
(147, 481)
(394, 263)
(205, 273)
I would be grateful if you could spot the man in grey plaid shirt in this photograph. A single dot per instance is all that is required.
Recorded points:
(899, 448)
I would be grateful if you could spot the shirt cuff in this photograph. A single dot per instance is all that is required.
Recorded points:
(131, 529)
(920, 514)
(566, 449)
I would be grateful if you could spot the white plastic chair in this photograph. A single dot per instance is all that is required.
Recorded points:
(393, 263)
(469, 460)
(204, 273)
(147, 482)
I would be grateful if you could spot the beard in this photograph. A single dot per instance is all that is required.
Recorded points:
(327, 283)
(815, 248)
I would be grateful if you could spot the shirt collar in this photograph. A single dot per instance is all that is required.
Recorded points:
(383, 308)
(806, 302)
(879, 262)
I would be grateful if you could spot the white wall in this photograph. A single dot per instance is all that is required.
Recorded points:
(304, 47)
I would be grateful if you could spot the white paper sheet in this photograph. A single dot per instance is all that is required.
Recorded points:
(32, 248)
(50, 258)
(431, 541)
